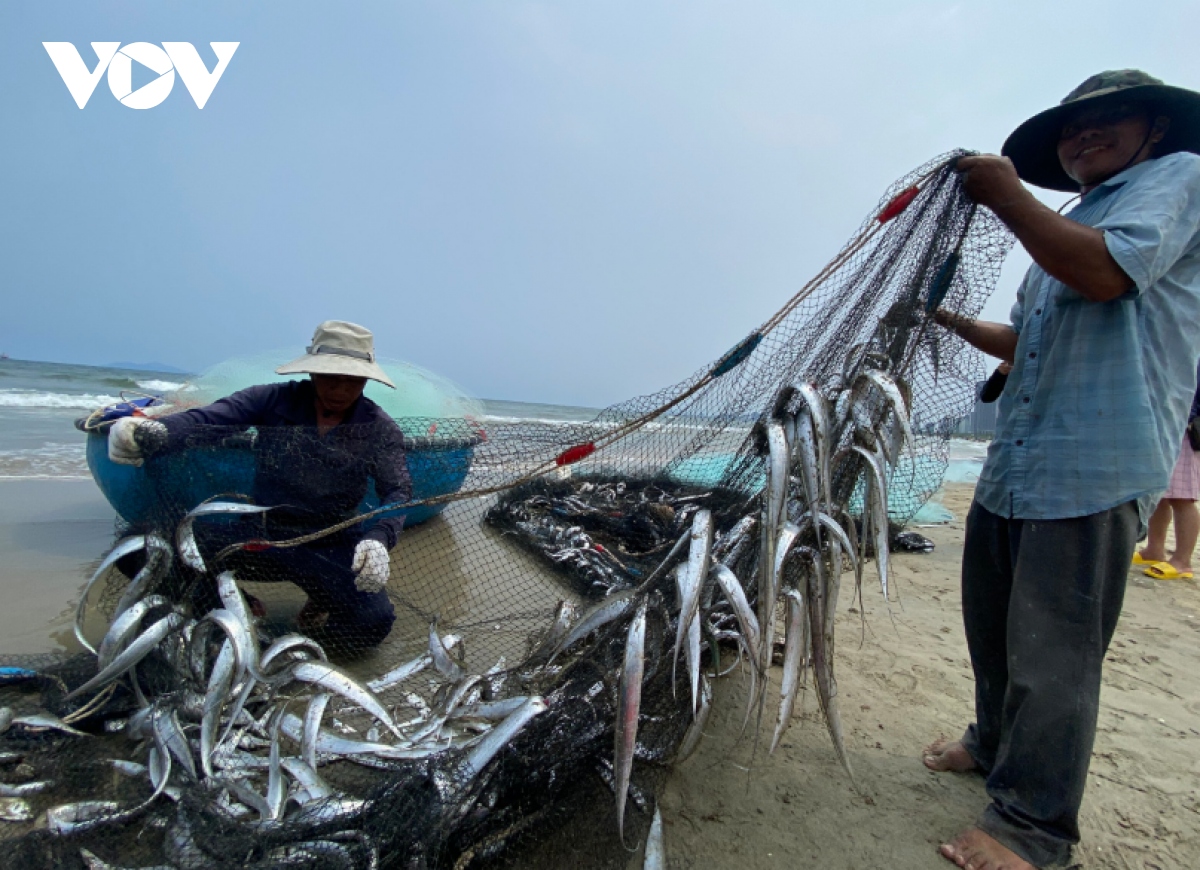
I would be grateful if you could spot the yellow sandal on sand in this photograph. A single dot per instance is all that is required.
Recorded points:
(1138, 560)
(1166, 571)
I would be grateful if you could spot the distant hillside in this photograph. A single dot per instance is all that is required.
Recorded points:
(148, 367)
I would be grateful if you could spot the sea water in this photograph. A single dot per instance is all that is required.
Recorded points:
(40, 402)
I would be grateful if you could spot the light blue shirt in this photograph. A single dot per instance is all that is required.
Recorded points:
(1095, 407)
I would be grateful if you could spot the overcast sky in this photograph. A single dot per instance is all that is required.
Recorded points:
(570, 202)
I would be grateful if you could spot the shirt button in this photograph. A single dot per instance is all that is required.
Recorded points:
(1033, 355)
(1026, 400)
(1020, 442)
(1038, 311)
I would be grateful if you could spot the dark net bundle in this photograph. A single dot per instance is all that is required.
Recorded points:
(557, 605)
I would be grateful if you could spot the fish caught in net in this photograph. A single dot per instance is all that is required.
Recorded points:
(560, 600)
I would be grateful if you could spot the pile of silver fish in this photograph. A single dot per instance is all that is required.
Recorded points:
(252, 724)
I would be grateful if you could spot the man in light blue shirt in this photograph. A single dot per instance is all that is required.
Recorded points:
(1104, 338)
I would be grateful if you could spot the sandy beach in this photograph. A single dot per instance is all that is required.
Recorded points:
(903, 680)
(909, 681)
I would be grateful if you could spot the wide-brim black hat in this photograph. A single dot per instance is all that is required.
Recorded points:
(1033, 147)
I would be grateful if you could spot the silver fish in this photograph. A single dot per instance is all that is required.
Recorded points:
(276, 787)
(875, 506)
(312, 727)
(495, 678)
(6, 718)
(628, 709)
(730, 546)
(491, 711)
(895, 400)
(656, 851)
(15, 810)
(499, 737)
(563, 617)
(600, 615)
(82, 816)
(793, 653)
(334, 745)
(123, 627)
(219, 684)
(293, 644)
(460, 691)
(818, 410)
(401, 673)
(231, 596)
(169, 736)
(805, 448)
(241, 790)
(123, 548)
(46, 722)
(311, 781)
(245, 654)
(185, 539)
(692, 642)
(24, 789)
(445, 665)
(736, 596)
(826, 693)
(691, 737)
(690, 579)
(774, 498)
(333, 679)
(128, 768)
(132, 654)
(158, 561)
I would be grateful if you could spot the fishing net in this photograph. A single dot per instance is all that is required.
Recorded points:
(559, 599)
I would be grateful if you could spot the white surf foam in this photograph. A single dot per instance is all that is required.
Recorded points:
(157, 386)
(38, 399)
(50, 461)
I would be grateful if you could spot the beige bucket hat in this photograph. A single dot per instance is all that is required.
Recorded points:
(339, 348)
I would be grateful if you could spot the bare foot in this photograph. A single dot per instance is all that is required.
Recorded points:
(945, 754)
(975, 850)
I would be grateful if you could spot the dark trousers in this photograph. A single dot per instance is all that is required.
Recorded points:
(357, 620)
(1041, 600)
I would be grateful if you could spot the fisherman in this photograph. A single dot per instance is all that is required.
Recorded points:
(1104, 338)
(318, 443)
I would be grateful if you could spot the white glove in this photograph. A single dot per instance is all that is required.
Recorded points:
(123, 446)
(371, 566)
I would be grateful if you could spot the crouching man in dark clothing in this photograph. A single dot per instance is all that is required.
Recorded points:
(318, 444)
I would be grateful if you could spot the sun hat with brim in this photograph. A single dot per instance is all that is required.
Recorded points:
(1033, 147)
(339, 348)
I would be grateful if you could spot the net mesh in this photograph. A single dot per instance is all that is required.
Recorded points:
(557, 604)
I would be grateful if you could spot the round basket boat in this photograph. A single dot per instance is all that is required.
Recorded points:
(439, 422)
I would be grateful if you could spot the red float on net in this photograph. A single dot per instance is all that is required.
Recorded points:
(899, 203)
(574, 454)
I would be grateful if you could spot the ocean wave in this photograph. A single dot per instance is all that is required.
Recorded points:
(50, 461)
(18, 398)
(158, 387)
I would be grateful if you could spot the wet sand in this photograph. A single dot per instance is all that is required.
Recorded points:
(52, 535)
(905, 683)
